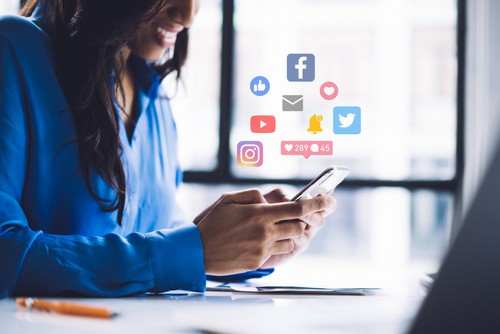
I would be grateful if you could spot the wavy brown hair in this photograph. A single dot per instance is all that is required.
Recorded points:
(89, 37)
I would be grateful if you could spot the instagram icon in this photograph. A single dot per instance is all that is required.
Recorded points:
(250, 153)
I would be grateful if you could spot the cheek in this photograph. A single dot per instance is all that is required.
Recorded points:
(145, 46)
(145, 38)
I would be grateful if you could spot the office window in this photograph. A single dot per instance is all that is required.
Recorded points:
(395, 60)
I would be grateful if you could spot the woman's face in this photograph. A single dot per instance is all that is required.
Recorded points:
(161, 32)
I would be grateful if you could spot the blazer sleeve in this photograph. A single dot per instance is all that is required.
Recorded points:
(35, 263)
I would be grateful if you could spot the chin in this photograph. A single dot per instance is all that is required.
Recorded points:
(152, 55)
(153, 58)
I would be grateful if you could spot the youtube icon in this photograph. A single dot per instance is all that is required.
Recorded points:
(262, 124)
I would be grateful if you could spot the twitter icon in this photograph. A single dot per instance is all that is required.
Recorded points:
(347, 120)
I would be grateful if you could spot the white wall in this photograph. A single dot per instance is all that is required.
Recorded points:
(482, 114)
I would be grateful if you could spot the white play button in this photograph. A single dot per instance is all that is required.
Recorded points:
(262, 123)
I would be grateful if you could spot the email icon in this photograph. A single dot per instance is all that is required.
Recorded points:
(293, 102)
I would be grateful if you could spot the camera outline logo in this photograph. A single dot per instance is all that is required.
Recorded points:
(250, 153)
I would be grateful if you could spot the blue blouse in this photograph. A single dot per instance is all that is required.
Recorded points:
(54, 238)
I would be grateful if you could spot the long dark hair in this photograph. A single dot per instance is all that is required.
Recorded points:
(88, 38)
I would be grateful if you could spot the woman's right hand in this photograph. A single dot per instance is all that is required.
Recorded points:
(240, 231)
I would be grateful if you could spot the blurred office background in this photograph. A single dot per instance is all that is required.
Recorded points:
(396, 59)
(399, 60)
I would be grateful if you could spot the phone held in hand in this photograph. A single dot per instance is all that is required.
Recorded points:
(324, 183)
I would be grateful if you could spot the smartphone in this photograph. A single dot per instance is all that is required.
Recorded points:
(324, 183)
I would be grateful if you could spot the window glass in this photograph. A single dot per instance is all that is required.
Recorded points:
(195, 101)
(9, 7)
(394, 66)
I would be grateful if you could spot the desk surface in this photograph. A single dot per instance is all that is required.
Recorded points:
(390, 312)
(220, 312)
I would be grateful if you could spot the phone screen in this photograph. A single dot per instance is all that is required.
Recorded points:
(324, 183)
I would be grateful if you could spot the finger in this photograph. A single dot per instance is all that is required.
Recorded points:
(297, 209)
(276, 196)
(203, 214)
(247, 196)
(314, 219)
(282, 247)
(333, 206)
(288, 230)
(331, 209)
(206, 211)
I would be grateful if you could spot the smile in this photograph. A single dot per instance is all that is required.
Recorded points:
(164, 37)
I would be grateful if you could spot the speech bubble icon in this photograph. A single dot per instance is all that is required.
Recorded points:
(314, 148)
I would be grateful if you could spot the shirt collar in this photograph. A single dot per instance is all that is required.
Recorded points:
(40, 18)
(146, 79)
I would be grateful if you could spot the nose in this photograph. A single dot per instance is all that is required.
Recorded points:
(183, 11)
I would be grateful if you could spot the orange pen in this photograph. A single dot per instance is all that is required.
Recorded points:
(65, 308)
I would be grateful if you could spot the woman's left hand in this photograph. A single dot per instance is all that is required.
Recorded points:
(313, 222)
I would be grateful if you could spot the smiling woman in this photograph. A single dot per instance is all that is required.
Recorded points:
(88, 161)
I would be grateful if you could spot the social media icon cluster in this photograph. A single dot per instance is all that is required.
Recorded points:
(301, 67)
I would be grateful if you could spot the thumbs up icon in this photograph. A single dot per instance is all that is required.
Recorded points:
(259, 86)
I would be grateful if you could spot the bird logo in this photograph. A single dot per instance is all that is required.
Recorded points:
(346, 121)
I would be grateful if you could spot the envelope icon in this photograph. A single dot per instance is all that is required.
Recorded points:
(293, 102)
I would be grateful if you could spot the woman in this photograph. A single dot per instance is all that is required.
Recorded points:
(88, 163)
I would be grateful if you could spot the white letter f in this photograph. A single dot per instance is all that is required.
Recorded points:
(300, 66)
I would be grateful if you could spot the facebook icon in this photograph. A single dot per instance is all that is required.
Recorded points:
(300, 67)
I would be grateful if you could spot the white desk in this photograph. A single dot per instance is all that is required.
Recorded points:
(217, 312)
(226, 312)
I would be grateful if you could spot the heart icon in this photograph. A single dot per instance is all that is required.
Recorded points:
(288, 147)
(329, 90)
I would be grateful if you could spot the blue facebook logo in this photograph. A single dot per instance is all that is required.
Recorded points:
(300, 67)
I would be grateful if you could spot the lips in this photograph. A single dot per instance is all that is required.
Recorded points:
(166, 36)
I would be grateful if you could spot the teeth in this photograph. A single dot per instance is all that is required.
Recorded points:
(165, 33)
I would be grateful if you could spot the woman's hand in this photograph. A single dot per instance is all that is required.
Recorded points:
(241, 231)
(311, 222)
